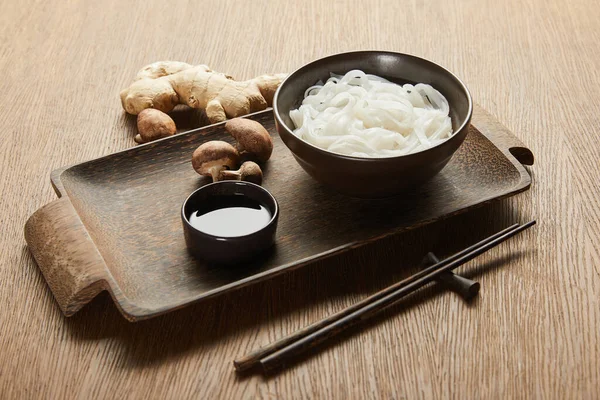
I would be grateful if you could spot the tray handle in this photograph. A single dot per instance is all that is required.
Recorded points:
(504, 139)
(66, 255)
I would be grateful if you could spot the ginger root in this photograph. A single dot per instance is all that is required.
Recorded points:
(163, 85)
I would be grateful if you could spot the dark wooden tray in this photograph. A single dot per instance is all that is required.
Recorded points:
(116, 225)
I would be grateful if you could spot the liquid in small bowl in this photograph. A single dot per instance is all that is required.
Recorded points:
(230, 216)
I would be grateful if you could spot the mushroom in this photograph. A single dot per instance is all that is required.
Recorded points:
(154, 124)
(252, 138)
(213, 157)
(249, 171)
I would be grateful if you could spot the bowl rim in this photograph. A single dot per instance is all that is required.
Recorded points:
(189, 225)
(465, 123)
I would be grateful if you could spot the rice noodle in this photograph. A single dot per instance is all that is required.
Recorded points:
(364, 115)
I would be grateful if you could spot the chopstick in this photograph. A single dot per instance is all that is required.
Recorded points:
(273, 354)
(271, 361)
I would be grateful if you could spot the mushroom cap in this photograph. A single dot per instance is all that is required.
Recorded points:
(154, 124)
(251, 172)
(215, 153)
(252, 138)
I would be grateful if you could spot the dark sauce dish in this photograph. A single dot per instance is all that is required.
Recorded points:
(373, 177)
(228, 222)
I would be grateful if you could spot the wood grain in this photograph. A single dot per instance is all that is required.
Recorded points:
(534, 330)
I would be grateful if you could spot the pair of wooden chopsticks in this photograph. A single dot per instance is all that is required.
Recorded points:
(273, 355)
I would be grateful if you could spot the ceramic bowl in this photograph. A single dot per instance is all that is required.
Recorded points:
(373, 177)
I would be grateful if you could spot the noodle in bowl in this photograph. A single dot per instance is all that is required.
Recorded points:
(366, 136)
(364, 115)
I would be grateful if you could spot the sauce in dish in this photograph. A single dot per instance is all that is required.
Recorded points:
(230, 216)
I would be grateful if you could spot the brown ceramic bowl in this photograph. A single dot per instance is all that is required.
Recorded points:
(373, 177)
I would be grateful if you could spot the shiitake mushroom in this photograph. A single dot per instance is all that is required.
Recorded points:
(218, 159)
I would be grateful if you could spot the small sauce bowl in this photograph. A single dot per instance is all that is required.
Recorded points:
(229, 249)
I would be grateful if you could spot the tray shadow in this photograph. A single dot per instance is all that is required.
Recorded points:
(241, 313)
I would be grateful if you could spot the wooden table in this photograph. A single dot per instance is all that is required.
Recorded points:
(533, 332)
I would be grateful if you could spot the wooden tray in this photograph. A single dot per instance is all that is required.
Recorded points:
(116, 225)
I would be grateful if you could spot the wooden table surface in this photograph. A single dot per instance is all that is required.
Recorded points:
(534, 331)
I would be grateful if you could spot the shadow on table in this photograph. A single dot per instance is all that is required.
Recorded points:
(272, 303)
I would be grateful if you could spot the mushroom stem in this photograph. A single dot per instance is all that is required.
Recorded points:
(216, 171)
(249, 171)
(229, 175)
